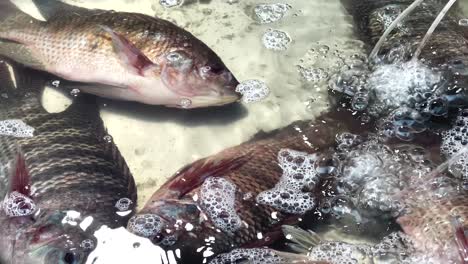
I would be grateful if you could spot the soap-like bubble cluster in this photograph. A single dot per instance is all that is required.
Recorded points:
(292, 194)
(338, 253)
(15, 128)
(145, 225)
(171, 3)
(123, 204)
(313, 74)
(404, 123)
(454, 141)
(269, 13)
(218, 198)
(253, 90)
(373, 174)
(276, 40)
(251, 255)
(17, 204)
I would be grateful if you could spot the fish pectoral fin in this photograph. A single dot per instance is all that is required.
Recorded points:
(302, 240)
(130, 55)
(194, 174)
(20, 180)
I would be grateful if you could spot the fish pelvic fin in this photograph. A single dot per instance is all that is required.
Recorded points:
(302, 241)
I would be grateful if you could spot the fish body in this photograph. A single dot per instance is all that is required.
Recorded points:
(120, 55)
(191, 211)
(62, 183)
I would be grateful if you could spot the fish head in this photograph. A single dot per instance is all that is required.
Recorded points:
(170, 223)
(51, 241)
(198, 77)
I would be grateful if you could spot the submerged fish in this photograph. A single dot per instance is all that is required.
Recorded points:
(127, 56)
(62, 182)
(241, 196)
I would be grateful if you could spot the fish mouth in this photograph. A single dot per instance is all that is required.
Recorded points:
(206, 101)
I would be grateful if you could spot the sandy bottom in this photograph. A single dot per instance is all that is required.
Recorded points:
(157, 141)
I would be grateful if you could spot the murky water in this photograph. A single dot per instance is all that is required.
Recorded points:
(294, 49)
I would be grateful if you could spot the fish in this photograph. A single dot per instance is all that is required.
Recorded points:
(118, 55)
(433, 83)
(61, 177)
(232, 199)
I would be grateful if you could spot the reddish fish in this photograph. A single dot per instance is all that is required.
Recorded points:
(241, 196)
(126, 56)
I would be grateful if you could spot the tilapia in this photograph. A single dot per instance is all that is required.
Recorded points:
(120, 55)
(60, 183)
(241, 196)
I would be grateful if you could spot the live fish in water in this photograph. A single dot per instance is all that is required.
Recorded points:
(241, 196)
(62, 181)
(126, 56)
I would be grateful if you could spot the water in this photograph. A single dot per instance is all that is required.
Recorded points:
(291, 51)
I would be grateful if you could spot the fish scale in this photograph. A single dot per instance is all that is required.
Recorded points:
(70, 165)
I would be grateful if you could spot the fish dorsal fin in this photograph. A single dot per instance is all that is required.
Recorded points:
(194, 174)
(50, 9)
(302, 241)
(20, 178)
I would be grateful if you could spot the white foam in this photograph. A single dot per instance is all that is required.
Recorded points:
(253, 91)
(123, 204)
(251, 255)
(218, 198)
(17, 204)
(338, 253)
(145, 225)
(453, 141)
(292, 193)
(15, 128)
(276, 40)
(269, 13)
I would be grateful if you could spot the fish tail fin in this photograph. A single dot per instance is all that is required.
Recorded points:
(302, 241)
(16, 81)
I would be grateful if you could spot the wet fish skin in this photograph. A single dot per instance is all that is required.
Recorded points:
(255, 170)
(126, 56)
(69, 167)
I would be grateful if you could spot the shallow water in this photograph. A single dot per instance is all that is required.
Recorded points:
(157, 141)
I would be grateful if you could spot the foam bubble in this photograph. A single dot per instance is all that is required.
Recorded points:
(453, 141)
(292, 193)
(217, 198)
(276, 40)
(269, 13)
(87, 244)
(171, 3)
(463, 22)
(145, 225)
(17, 204)
(15, 128)
(339, 252)
(252, 255)
(253, 91)
(123, 204)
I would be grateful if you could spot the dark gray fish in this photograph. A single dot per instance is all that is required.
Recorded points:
(62, 183)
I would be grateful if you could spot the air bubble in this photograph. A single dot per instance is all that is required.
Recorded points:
(251, 255)
(217, 198)
(253, 91)
(171, 3)
(269, 13)
(56, 83)
(17, 204)
(123, 204)
(75, 92)
(87, 244)
(185, 103)
(107, 138)
(463, 22)
(15, 128)
(145, 225)
(276, 40)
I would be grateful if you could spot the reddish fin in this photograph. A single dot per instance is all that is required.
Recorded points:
(20, 180)
(461, 239)
(128, 53)
(193, 175)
